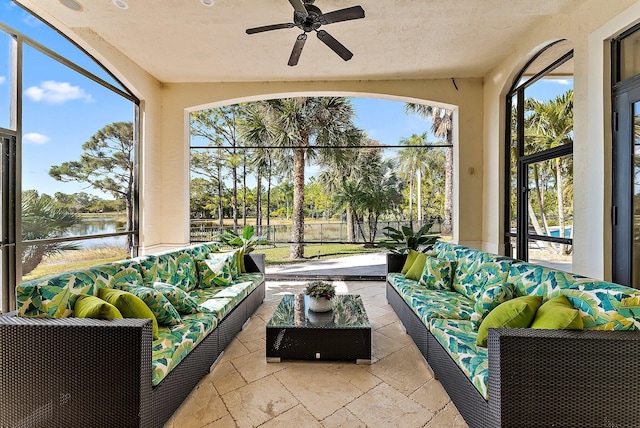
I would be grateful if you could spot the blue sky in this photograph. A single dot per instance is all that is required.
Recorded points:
(63, 109)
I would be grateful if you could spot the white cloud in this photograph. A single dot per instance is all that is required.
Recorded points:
(565, 82)
(35, 138)
(2, 79)
(53, 92)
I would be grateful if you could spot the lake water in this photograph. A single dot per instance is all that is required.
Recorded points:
(98, 226)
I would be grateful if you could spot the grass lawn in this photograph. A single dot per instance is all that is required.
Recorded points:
(280, 254)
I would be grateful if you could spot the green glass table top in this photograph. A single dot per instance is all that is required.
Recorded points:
(293, 312)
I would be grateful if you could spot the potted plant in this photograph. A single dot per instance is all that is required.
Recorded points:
(320, 294)
(247, 241)
(399, 242)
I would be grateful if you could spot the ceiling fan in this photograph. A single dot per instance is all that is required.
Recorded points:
(308, 18)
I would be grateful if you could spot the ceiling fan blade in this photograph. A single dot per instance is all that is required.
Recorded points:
(355, 12)
(297, 49)
(335, 45)
(269, 28)
(299, 7)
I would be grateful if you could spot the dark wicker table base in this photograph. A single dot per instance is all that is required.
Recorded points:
(328, 340)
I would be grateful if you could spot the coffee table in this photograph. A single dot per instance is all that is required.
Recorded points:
(295, 332)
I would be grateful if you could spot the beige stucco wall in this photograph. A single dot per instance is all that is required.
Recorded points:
(179, 99)
(588, 27)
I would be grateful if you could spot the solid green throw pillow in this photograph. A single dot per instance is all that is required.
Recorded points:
(515, 313)
(411, 257)
(558, 313)
(130, 306)
(94, 307)
(415, 271)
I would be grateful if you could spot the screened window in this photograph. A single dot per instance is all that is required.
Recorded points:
(76, 155)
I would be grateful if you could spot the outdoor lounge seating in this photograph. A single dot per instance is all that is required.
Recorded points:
(525, 376)
(60, 370)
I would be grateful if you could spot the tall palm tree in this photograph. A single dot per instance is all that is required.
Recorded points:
(310, 128)
(412, 162)
(442, 127)
(550, 125)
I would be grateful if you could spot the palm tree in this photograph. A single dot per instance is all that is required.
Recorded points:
(412, 161)
(310, 128)
(42, 219)
(551, 125)
(442, 127)
(341, 177)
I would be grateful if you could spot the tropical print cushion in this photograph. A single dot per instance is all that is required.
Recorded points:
(162, 309)
(55, 296)
(237, 291)
(437, 274)
(458, 338)
(148, 268)
(186, 273)
(201, 251)
(219, 306)
(179, 298)
(429, 304)
(50, 297)
(175, 342)
(125, 277)
(400, 283)
(214, 273)
(600, 303)
(491, 296)
(482, 271)
(230, 257)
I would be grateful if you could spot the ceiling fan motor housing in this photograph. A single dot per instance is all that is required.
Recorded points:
(311, 22)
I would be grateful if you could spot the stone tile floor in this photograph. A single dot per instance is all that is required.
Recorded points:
(396, 390)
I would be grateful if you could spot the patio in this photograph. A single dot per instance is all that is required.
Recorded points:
(397, 389)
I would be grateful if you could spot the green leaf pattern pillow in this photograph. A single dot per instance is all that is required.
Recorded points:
(437, 274)
(163, 310)
(179, 298)
(214, 273)
(490, 297)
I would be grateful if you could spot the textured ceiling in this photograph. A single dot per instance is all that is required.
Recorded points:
(184, 41)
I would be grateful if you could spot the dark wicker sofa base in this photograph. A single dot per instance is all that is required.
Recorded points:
(74, 372)
(540, 378)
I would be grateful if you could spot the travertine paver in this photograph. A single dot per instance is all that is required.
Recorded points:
(397, 390)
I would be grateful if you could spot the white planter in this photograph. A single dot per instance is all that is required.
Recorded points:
(320, 304)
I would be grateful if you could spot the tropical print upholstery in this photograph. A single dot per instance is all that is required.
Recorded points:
(179, 298)
(219, 306)
(427, 303)
(55, 296)
(599, 302)
(491, 295)
(164, 311)
(458, 338)
(230, 257)
(437, 274)
(175, 342)
(214, 273)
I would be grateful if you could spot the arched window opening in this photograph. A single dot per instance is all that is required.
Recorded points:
(539, 160)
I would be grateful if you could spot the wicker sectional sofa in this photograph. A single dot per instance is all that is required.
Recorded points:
(526, 376)
(59, 370)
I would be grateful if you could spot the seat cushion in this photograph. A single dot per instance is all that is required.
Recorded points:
(175, 342)
(458, 338)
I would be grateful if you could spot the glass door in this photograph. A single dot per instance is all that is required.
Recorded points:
(626, 182)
